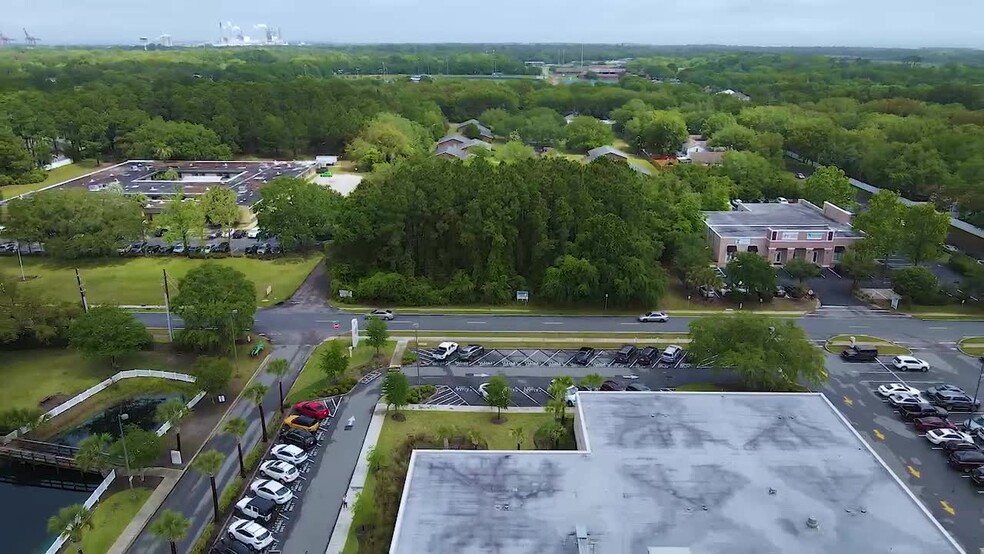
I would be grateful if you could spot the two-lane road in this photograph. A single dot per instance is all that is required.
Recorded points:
(290, 326)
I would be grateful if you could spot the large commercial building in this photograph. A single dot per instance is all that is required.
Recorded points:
(781, 231)
(680, 473)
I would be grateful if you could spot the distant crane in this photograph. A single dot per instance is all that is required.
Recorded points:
(31, 41)
(4, 39)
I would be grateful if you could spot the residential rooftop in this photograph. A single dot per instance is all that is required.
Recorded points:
(662, 472)
(245, 178)
(755, 218)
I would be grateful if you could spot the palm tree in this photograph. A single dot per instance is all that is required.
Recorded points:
(256, 392)
(237, 427)
(173, 410)
(71, 521)
(170, 526)
(93, 453)
(519, 435)
(279, 367)
(593, 381)
(556, 391)
(209, 463)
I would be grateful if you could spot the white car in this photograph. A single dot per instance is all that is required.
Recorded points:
(900, 399)
(250, 533)
(280, 470)
(289, 453)
(654, 317)
(252, 233)
(895, 388)
(908, 363)
(444, 350)
(939, 436)
(271, 490)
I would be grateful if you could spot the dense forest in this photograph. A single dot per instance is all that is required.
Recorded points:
(911, 121)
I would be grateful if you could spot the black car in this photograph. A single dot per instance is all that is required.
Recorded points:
(230, 546)
(584, 355)
(160, 232)
(648, 356)
(238, 234)
(637, 387)
(965, 460)
(251, 249)
(260, 509)
(152, 249)
(612, 385)
(625, 354)
(954, 446)
(860, 354)
(471, 352)
(922, 409)
(222, 248)
(953, 401)
(299, 438)
(275, 250)
(977, 475)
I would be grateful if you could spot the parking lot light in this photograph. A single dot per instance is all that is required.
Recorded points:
(978, 389)
(416, 345)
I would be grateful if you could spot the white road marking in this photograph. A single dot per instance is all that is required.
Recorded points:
(858, 327)
(553, 322)
(939, 328)
(629, 323)
(475, 322)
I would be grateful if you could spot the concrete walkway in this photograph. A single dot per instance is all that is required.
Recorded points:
(401, 346)
(146, 511)
(344, 522)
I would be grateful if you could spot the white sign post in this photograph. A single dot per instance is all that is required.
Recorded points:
(355, 332)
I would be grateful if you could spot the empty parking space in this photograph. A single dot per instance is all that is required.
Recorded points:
(533, 357)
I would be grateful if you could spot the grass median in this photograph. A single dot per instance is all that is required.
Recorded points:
(972, 346)
(138, 281)
(312, 379)
(885, 347)
(111, 516)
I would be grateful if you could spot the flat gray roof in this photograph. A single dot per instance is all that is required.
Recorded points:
(701, 472)
(758, 217)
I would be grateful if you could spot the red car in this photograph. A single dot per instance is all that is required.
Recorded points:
(312, 408)
(927, 423)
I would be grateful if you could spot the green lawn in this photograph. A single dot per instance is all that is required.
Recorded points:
(311, 379)
(394, 433)
(972, 346)
(55, 176)
(969, 309)
(110, 516)
(28, 376)
(137, 281)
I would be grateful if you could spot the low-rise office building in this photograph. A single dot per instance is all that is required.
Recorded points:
(781, 231)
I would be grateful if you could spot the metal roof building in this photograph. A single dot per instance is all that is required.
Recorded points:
(687, 473)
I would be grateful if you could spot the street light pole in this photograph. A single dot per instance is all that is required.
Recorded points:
(978, 389)
(606, 301)
(20, 261)
(416, 344)
(120, 418)
(232, 328)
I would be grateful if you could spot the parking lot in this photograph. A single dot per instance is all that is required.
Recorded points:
(280, 526)
(512, 357)
(948, 494)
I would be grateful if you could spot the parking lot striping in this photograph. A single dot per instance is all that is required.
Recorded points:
(483, 356)
(915, 472)
(552, 356)
(521, 391)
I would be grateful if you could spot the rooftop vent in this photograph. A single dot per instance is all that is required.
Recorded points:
(812, 523)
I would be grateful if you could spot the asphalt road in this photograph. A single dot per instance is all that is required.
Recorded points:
(310, 326)
(192, 496)
(949, 495)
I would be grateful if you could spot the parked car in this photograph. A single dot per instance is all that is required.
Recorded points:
(313, 408)
(860, 353)
(905, 399)
(238, 234)
(250, 250)
(386, 315)
(179, 248)
(937, 436)
(282, 471)
(445, 350)
(275, 250)
(954, 446)
(250, 533)
(909, 363)
(977, 475)
(965, 460)
(648, 356)
(222, 247)
(304, 422)
(706, 291)
(953, 401)
(973, 424)
(933, 422)
(254, 507)
(654, 317)
(893, 388)
(261, 249)
(252, 233)
(943, 387)
(923, 409)
(471, 352)
(672, 354)
(570, 395)
(612, 385)
(584, 355)
(300, 438)
(637, 387)
(231, 546)
(625, 354)
(271, 490)
(160, 232)
(289, 453)
(153, 249)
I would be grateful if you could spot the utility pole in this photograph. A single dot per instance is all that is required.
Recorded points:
(78, 279)
(167, 309)
(978, 389)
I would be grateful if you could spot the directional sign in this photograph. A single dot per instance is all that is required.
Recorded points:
(350, 423)
(915, 472)
(848, 401)
(880, 435)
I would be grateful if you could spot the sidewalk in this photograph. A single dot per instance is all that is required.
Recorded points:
(147, 511)
(401, 346)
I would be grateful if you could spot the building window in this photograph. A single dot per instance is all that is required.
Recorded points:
(731, 251)
(790, 235)
(830, 235)
(775, 234)
(753, 248)
(778, 256)
(838, 252)
(816, 256)
(815, 235)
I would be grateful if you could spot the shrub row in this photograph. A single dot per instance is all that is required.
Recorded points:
(341, 387)
(421, 393)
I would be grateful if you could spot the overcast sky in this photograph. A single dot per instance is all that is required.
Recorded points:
(893, 23)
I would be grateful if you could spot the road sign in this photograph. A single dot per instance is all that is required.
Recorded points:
(342, 293)
(523, 295)
(335, 324)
